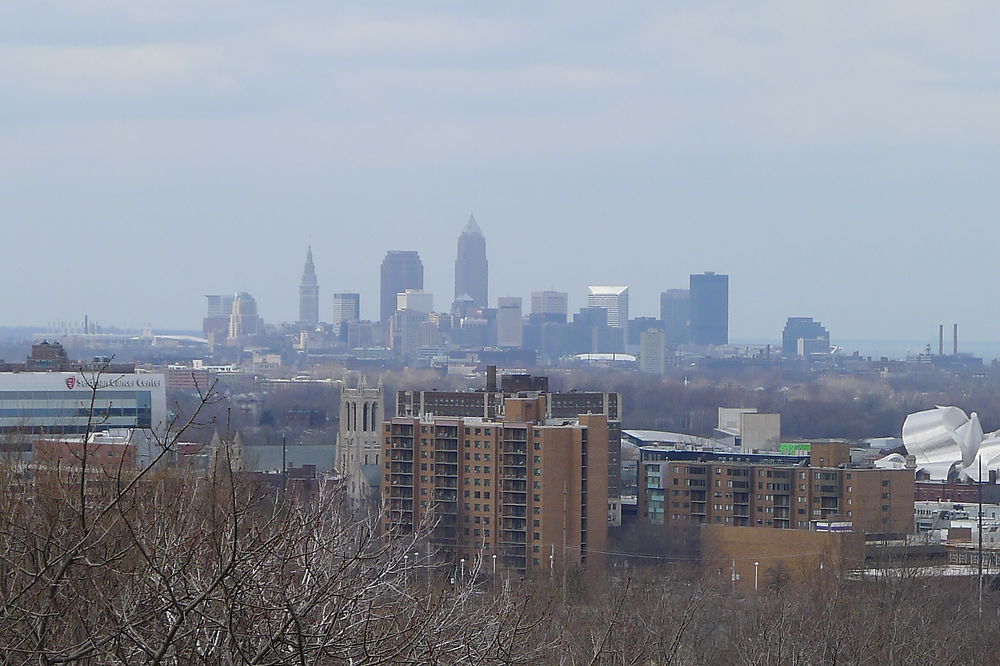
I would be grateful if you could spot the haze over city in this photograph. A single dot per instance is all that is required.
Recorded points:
(835, 161)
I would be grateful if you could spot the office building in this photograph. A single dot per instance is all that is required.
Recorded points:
(612, 299)
(802, 335)
(675, 312)
(244, 320)
(416, 300)
(509, 324)
(309, 293)
(685, 488)
(215, 325)
(551, 305)
(521, 487)
(359, 440)
(653, 351)
(471, 266)
(401, 270)
(346, 308)
(491, 403)
(50, 396)
(709, 303)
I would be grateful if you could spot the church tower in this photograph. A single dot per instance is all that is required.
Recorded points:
(309, 292)
(359, 441)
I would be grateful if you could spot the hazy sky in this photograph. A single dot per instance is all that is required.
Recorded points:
(838, 160)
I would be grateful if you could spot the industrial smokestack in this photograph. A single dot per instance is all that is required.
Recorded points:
(954, 347)
(940, 339)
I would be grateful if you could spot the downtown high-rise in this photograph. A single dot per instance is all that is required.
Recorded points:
(471, 266)
(709, 309)
(401, 270)
(309, 292)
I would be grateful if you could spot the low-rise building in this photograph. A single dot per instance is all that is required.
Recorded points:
(773, 490)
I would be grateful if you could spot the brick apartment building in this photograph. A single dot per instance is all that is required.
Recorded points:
(490, 404)
(681, 488)
(531, 490)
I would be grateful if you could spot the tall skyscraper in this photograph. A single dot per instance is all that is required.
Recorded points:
(346, 308)
(309, 292)
(244, 320)
(401, 270)
(675, 311)
(709, 309)
(471, 267)
(612, 299)
(653, 351)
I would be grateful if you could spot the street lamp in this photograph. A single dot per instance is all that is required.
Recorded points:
(463, 569)
(494, 564)
(406, 567)
(755, 565)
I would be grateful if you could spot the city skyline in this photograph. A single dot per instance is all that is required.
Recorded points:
(750, 141)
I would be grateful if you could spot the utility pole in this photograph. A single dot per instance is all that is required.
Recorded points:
(979, 486)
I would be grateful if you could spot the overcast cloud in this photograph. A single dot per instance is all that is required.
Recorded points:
(838, 160)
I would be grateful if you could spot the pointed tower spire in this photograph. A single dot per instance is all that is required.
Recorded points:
(309, 292)
(472, 227)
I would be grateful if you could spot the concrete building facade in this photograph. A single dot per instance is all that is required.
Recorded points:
(346, 309)
(509, 321)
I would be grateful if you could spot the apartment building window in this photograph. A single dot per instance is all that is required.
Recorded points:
(536, 523)
(467, 493)
(477, 483)
(538, 472)
(885, 507)
(802, 475)
(468, 456)
(536, 497)
(538, 446)
(486, 494)
(477, 456)
(486, 482)
(536, 510)
(537, 484)
(538, 459)
(478, 507)
(536, 536)
(885, 483)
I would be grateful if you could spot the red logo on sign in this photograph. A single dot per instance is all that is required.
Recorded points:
(70, 382)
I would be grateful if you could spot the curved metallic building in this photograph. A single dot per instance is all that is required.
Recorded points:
(947, 444)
